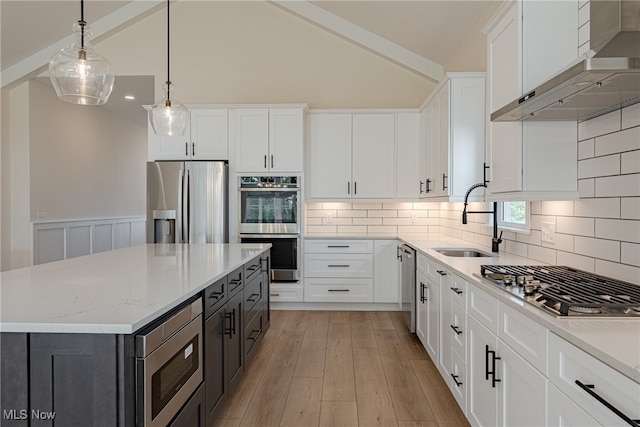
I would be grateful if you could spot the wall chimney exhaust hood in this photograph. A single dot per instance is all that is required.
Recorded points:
(606, 81)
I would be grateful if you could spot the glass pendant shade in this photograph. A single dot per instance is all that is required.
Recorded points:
(168, 117)
(79, 74)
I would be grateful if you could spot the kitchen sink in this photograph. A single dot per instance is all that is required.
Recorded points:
(462, 252)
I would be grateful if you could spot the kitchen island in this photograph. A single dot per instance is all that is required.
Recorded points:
(68, 328)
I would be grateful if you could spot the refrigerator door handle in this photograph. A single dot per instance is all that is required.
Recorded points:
(191, 199)
(180, 219)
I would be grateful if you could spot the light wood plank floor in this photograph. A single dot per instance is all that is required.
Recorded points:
(338, 368)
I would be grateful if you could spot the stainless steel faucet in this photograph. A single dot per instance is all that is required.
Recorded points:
(495, 241)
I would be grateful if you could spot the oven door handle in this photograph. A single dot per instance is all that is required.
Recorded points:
(271, 189)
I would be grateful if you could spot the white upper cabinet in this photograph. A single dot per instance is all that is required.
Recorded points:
(205, 139)
(527, 42)
(408, 155)
(351, 155)
(454, 121)
(373, 172)
(268, 139)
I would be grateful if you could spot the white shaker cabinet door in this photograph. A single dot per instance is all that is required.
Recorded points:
(374, 155)
(408, 155)
(209, 134)
(286, 140)
(251, 139)
(329, 157)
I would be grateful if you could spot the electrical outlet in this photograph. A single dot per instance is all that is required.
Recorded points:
(414, 218)
(41, 216)
(328, 219)
(548, 232)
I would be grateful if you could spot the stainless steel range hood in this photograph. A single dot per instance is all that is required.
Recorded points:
(596, 85)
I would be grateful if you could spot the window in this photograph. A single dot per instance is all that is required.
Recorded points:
(513, 215)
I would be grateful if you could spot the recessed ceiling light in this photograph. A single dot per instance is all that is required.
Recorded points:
(129, 97)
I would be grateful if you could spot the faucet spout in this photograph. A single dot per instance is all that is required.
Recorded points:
(495, 240)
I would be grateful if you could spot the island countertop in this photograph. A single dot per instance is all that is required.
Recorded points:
(114, 292)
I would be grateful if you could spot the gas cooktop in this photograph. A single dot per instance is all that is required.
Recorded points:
(565, 291)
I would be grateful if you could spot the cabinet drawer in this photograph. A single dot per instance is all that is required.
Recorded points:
(338, 265)
(252, 268)
(435, 271)
(215, 296)
(458, 290)
(458, 329)
(253, 292)
(483, 307)
(458, 380)
(339, 290)
(562, 411)
(568, 363)
(525, 336)
(253, 335)
(286, 293)
(235, 281)
(312, 246)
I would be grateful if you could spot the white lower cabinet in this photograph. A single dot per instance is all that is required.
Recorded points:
(432, 294)
(582, 377)
(564, 412)
(421, 307)
(483, 396)
(386, 271)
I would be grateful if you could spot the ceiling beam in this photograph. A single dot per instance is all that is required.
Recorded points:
(365, 38)
(35, 64)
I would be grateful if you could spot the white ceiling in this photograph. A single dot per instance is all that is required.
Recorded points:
(428, 29)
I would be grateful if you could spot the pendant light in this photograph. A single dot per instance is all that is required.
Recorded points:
(168, 116)
(79, 74)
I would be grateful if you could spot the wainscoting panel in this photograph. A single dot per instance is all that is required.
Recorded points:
(58, 240)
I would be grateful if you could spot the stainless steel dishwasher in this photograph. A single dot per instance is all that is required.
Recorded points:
(408, 257)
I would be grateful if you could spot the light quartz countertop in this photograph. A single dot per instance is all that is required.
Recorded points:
(614, 341)
(114, 292)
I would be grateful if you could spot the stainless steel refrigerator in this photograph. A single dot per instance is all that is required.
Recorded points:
(187, 202)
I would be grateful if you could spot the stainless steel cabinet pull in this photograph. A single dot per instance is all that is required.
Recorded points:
(589, 389)
(338, 290)
(456, 290)
(456, 330)
(338, 265)
(441, 272)
(338, 246)
(455, 380)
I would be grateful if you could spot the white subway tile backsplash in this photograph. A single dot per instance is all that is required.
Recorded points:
(396, 221)
(313, 205)
(537, 220)
(396, 205)
(352, 229)
(576, 261)
(542, 254)
(516, 248)
(427, 205)
(366, 205)
(352, 214)
(599, 166)
(382, 229)
(586, 149)
(367, 221)
(536, 208)
(597, 248)
(626, 140)
(630, 162)
(630, 254)
(599, 126)
(336, 205)
(631, 116)
(321, 213)
(415, 229)
(561, 242)
(587, 187)
(598, 208)
(337, 221)
(382, 214)
(576, 226)
(322, 229)
(564, 208)
(618, 229)
(630, 207)
(624, 272)
(313, 221)
(532, 238)
(618, 186)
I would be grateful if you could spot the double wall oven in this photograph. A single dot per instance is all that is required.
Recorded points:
(269, 212)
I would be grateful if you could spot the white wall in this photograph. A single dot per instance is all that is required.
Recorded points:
(86, 162)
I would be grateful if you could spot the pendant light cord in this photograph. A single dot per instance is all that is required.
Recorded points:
(82, 24)
(168, 53)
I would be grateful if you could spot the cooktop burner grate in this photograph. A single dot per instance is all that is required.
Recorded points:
(575, 288)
